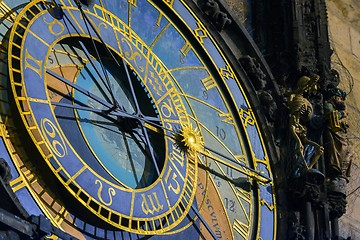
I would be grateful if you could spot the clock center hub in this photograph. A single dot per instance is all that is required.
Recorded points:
(128, 124)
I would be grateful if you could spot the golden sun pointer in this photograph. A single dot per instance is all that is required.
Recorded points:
(189, 139)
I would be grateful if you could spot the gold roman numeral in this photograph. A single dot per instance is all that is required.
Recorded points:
(170, 3)
(132, 2)
(185, 49)
(247, 116)
(208, 82)
(227, 118)
(200, 32)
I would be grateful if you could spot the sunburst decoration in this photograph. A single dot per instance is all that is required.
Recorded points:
(188, 139)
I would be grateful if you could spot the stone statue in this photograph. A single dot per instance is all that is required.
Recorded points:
(301, 111)
(337, 152)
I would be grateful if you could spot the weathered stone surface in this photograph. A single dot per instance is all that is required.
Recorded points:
(344, 31)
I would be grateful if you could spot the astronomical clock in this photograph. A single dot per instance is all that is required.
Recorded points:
(133, 119)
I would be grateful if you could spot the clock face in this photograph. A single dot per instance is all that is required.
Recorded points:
(125, 118)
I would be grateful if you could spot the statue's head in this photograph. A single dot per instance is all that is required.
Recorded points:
(338, 92)
(307, 84)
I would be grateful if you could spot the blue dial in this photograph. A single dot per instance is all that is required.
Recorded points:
(139, 122)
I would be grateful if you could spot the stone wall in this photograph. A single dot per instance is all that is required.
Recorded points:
(344, 33)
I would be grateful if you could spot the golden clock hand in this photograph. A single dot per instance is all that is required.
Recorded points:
(240, 168)
(189, 140)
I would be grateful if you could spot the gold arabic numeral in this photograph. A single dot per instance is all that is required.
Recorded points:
(55, 27)
(34, 64)
(184, 51)
(241, 228)
(53, 137)
(111, 192)
(208, 83)
(150, 203)
(176, 189)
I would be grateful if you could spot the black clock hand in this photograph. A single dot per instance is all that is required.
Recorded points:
(130, 157)
(250, 172)
(112, 56)
(151, 150)
(102, 112)
(196, 211)
(87, 20)
(107, 82)
(132, 89)
(80, 89)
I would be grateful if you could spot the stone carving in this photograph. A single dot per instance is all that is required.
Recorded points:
(338, 155)
(212, 9)
(300, 113)
(296, 230)
(253, 70)
(258, 79)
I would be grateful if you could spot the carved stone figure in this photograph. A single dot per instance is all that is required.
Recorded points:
(337, 153)
(212, 10)
(253, 70)
(301, 112)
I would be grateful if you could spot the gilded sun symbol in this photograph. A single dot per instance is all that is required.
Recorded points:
(189, 139)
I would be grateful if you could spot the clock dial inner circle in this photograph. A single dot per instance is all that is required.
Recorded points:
(112, 135)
